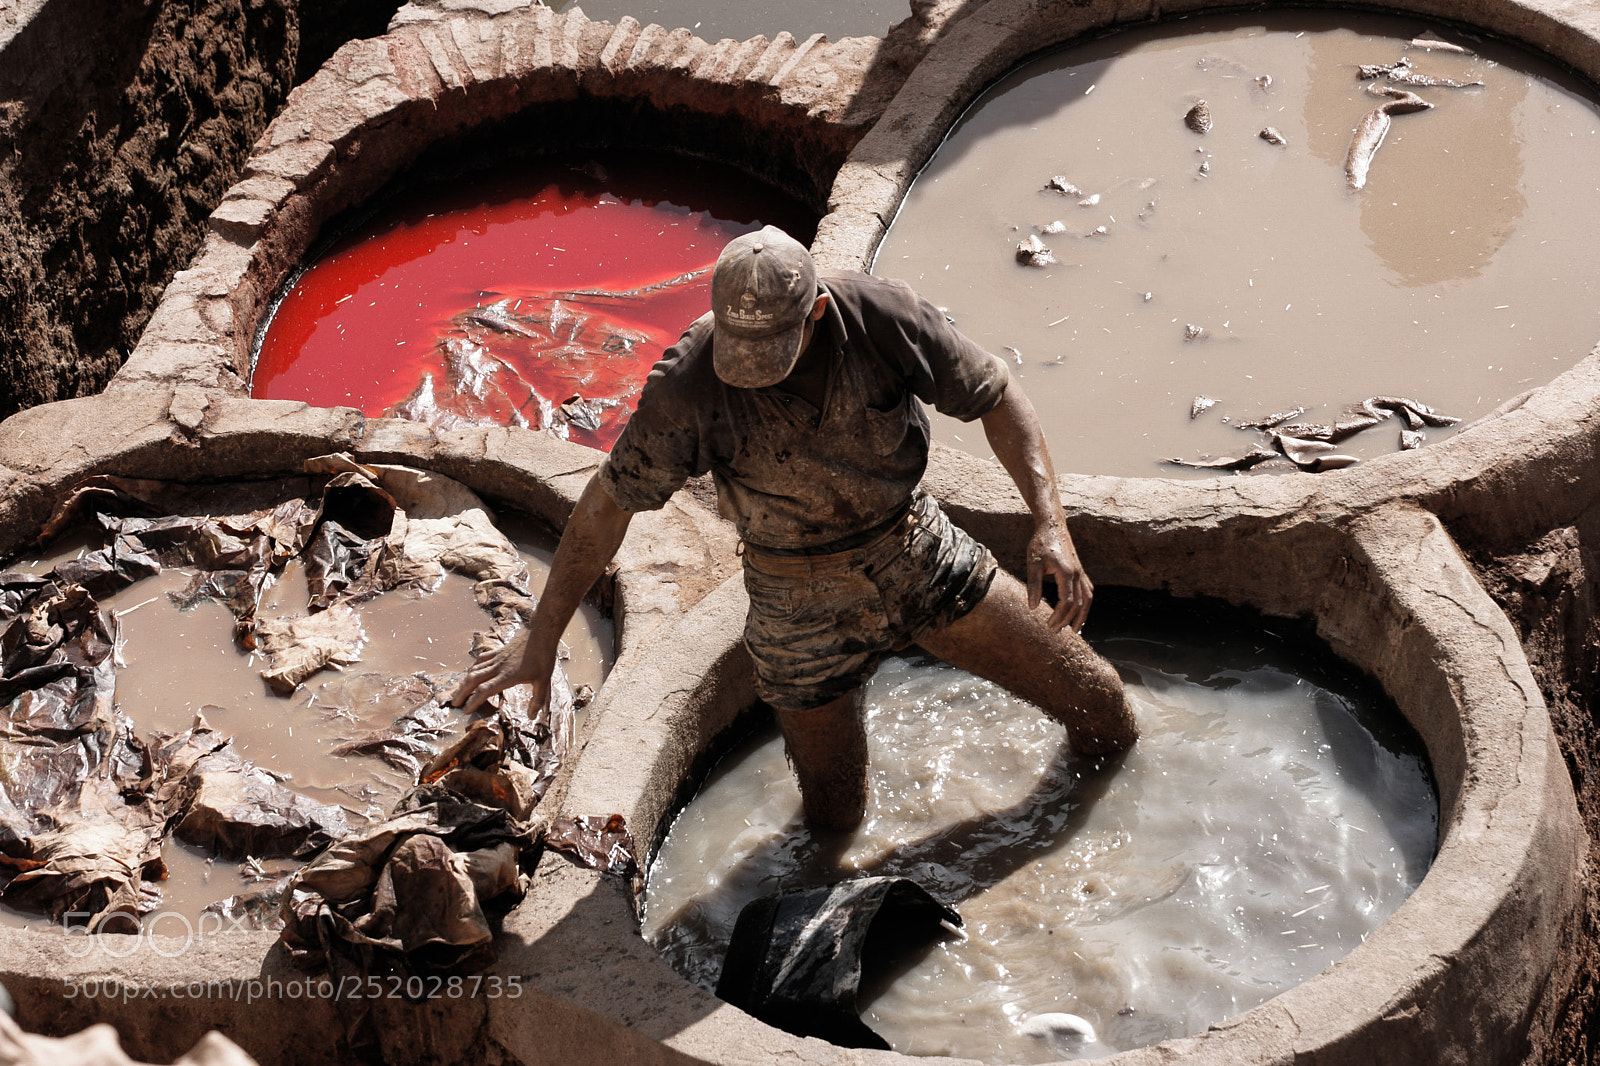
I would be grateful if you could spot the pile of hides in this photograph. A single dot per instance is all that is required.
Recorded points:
(797, 960)
(86, 802)
(422, 892)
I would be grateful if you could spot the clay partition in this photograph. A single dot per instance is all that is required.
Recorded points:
(1474, 967)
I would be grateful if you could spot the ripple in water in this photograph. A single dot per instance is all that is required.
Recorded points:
(1263, 826)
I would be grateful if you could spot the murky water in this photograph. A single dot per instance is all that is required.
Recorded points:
(457, 303)
(1460, 276)
(179, 663)
(713, 20)
(1266, 822)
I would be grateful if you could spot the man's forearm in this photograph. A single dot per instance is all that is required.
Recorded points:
(1013, 431)
(593, 534)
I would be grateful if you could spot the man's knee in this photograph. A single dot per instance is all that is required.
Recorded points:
(1095, 709)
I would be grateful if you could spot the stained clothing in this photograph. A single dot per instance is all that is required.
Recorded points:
(789, 475)
(819, 624)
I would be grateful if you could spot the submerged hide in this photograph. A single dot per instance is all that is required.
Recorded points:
(76, 833)
(298, 647)
(566, 363)
(796, 959)
(232, 807)
(258, 909)
(414, 706)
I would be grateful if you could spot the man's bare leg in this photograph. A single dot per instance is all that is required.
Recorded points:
(827, 746)
(1004, 641)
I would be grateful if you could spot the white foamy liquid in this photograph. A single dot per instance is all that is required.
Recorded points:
(1255, 834)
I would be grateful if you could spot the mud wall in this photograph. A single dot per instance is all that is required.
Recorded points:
(121, 125)
(1546, 587)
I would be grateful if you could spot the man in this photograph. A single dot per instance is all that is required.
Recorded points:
(800, 395)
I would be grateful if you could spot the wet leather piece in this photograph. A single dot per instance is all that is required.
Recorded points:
(796, 960)
(561, 362)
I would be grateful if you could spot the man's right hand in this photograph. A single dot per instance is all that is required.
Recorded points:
(516, 662)
(593, 534)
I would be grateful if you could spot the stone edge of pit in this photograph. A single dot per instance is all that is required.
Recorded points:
(1461, 972)
(1456, 969)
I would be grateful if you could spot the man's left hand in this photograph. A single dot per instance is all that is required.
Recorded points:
(1051, 553)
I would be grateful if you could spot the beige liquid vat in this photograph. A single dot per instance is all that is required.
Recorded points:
(1460, 276)
(178, 662)
(1265, 823)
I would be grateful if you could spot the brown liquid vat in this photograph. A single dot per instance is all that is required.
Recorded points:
(1474, 967)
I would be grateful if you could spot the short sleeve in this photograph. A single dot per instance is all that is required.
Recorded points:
(659, 448)
(945, 367)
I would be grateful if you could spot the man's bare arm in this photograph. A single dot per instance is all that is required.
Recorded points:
(592, 537)
(1013, 431)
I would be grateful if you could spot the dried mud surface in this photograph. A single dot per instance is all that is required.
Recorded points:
(1546, 591)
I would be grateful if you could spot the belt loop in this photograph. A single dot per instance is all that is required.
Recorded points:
(738, 551)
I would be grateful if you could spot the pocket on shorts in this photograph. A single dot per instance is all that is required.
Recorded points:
(771, 599)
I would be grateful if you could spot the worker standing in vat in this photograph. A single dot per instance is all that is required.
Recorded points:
(801, 395)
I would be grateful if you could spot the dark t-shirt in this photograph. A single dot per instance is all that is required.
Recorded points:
(791, 476)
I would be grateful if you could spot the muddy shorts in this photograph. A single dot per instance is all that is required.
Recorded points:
(819, 624)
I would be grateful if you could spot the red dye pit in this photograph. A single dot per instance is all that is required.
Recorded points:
(537, 295)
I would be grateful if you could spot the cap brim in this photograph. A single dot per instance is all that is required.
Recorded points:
(755, 362)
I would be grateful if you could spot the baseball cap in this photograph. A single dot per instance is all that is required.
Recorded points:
(762, 290)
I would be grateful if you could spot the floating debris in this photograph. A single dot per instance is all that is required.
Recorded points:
(1374, 125)
(1272, 420)
(1198, 117)
(1264, 82)
(585, 414)
(1256, 455)
(1434, 44)
(1063, 1033)
(1192, 332)
(1302, 452)
(1205, 168)
(1271, 135)
(1310, 445)
(1401, 72)
(1332, 462)
(1015, 354)
(1089, 201)
(1057, 226)
(1416, 414)
(1032, 252)
(1063, 186)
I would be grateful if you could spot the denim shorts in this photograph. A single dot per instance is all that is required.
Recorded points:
(819, 624)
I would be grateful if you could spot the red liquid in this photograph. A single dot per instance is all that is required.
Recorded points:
(494, 301)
